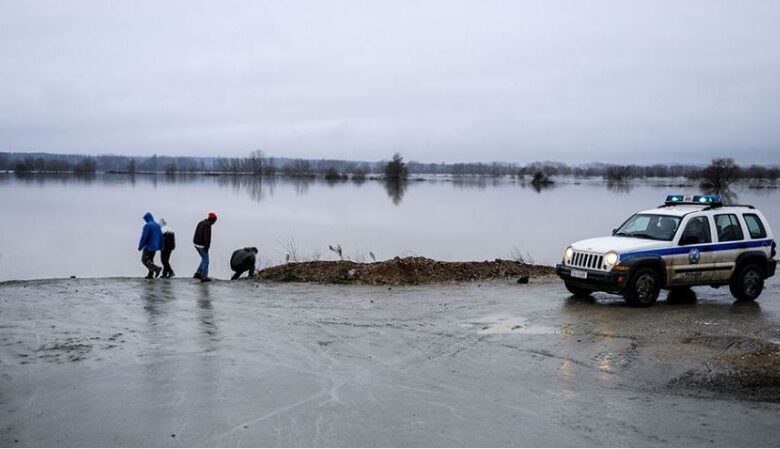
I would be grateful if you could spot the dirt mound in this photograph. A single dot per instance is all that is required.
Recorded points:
(746, 368)
(400, 271)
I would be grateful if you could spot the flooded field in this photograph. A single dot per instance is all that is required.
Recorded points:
(66, 226)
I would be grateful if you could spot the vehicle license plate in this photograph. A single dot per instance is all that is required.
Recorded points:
(579, 274)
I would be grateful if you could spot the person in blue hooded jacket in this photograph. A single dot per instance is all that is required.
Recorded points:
(151, 242)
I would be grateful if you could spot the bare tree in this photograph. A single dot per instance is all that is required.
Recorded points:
(619, 173)
(396, 170)
(254, 163)
(86, 166)
(720, 174)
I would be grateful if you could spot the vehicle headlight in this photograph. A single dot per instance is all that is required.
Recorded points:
(568, 254)
(611, 258)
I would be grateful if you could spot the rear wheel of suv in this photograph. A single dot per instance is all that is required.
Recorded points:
(748, 282)
(643, 288)
(578, 292)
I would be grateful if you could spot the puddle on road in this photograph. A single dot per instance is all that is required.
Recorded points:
(509, 324)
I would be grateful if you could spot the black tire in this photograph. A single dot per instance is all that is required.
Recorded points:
(747, 283)
(578, 292)
(643, 288)
(681, 295)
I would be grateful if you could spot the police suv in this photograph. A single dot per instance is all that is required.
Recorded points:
(687, 241)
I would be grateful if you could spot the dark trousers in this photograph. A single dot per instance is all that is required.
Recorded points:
(241, 271)
(147, 258)
(165, 257)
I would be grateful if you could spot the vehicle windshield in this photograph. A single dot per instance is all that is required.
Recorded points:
(650, 226)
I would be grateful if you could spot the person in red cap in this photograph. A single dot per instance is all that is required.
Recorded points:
(202, 241)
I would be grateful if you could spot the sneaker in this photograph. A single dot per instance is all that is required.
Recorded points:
(206, 279)
(170, 275)
(157, 272)
(149, 276)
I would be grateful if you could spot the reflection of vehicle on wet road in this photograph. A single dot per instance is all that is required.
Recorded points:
(687, 241)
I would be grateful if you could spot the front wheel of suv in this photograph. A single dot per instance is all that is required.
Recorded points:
(643, 288)
(747, 283)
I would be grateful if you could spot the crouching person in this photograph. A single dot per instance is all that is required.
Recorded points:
(243, 260)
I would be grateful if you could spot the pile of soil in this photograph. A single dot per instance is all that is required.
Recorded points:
(743, 371)
(400, 271)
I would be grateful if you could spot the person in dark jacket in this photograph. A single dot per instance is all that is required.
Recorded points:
(242, 260)
(202, 241)
(169, 244)
(151, 242)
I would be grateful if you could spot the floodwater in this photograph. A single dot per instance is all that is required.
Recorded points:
(68, 226)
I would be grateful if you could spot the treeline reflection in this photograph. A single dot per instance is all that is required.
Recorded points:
(261, 187)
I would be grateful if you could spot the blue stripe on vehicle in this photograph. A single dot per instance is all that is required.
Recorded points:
(710, 247)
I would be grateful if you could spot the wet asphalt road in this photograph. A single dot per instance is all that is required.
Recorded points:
(126, 362)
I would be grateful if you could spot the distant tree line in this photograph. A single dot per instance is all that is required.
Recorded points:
(611, 172)
(721, 172)
(258, 164)
(83, 165)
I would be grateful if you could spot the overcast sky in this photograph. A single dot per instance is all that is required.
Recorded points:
(518, 81)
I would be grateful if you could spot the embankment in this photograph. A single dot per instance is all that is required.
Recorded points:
(401, 271)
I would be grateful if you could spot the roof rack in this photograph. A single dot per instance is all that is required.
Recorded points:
(716, 206)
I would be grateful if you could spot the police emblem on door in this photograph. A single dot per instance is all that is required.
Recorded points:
(694, 256)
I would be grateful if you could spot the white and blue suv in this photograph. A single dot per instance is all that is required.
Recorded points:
(687, 241)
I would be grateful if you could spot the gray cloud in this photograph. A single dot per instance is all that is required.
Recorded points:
(516, 80)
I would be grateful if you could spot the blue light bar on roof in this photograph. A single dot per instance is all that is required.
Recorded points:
(675, 198)
(710, 200)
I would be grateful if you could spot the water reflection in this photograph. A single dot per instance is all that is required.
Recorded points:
(539, 187)
(259, 188)
(614, 308)
(745, 307)
(206, 322)
(60, 178)
(395, 190)
(727, 193)
(95, 221)
(255, 187)
(474, 182)
(153, 300)
(619, 186)
(301, 184)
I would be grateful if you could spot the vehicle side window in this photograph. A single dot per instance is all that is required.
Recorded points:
(728, 228)
(697, 231)
(755, 226)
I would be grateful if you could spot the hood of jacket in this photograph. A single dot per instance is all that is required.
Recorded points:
(148, 217)
(164, 226)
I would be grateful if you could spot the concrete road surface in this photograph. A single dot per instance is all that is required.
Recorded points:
(130, 362)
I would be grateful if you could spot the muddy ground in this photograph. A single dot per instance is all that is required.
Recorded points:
(130, 362)
(401, 271)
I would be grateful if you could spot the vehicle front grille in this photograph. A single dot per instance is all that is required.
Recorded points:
(587, 260)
